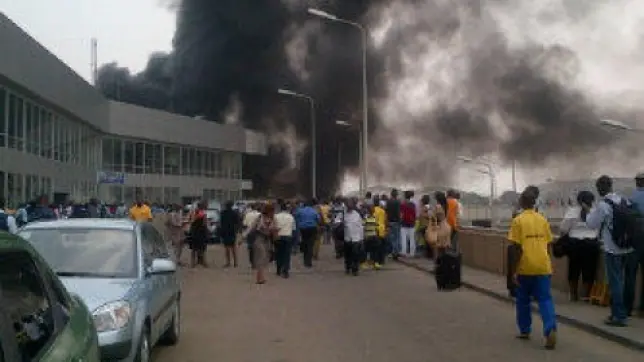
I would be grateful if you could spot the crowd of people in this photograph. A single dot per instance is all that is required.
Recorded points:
(367, 232)
(611, 227)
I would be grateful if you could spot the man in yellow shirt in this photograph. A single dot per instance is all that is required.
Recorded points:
(381, 219)
(532, 270)
(140, 212)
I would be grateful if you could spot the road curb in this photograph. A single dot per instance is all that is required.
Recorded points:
(573, 322)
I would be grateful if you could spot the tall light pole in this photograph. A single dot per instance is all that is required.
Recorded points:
(311, 101)
(365, 94)
(514, 176)
(360, 149)
(490, 172)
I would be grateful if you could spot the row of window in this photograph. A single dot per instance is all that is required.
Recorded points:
(17, 188)
(27, 126)
(153, 158)
(162, 195)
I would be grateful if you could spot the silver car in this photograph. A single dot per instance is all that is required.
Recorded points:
(125, 274)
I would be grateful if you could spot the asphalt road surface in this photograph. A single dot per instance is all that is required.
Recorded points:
(323, 315)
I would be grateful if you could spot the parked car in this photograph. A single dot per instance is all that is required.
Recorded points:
(39, 319)
(124, 272)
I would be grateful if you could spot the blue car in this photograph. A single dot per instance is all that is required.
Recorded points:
(124, 273)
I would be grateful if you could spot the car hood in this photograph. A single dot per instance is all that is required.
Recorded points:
(96, 292)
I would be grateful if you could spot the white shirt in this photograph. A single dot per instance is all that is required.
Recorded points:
(250, 218)
(353, 228)
(575, 227)
(11, 223)
(285, 223)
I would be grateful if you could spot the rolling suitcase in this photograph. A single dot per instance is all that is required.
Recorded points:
(448, 271)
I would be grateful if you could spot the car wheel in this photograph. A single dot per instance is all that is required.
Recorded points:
(171, 336)
(143, 353)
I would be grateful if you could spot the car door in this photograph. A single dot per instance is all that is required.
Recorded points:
(154, 282)
(77, 333)
(44, 330)
(168, 288)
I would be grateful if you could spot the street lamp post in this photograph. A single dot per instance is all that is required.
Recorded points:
(490, 172)
(365, 94)
(360, 149)
(311, 101)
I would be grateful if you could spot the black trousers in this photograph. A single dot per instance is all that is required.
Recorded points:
(308, 241)
(373, 248)
(583, 259)
(352, 254)
(283, 254)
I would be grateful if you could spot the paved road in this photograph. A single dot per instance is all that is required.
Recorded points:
(323, 315)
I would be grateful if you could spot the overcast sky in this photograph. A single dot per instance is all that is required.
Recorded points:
(127, 30)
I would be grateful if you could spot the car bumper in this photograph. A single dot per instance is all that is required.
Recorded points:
(117, 345)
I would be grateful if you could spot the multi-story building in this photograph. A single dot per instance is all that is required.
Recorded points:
(61, 138)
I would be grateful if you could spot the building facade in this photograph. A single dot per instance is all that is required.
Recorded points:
(61, 138)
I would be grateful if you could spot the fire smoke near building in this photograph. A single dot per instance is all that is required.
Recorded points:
(521, 80)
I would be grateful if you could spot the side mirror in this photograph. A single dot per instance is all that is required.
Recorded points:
(162, 266)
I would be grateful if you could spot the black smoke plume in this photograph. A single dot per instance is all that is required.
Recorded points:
(488, 97)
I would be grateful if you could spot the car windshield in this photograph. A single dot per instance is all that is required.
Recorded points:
(101, 253)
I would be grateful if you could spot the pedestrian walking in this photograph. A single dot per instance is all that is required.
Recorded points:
(229, 225)
(353, 238)
(308, 223)
(531, 236)
(285, 223)
(263, 233)
(174, 224)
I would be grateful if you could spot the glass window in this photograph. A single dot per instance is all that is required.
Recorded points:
(139, 148)
(26, 298)
(28, 128)
(3, 117)
(20, 124)
(55, 123)
(185, 161)
(45, 134)
(193, 162)
(198, 163)
(3, 194)
(171, 158)
(35, 130)
(11, 128)
(14, 189)
(218, 165)
(117, 158)
(108, 154)
(153, 158)
(76, 143)
(128, 160)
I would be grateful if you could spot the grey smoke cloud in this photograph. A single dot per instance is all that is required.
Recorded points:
(524, 80)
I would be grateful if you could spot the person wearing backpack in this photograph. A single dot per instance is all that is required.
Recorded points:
(7, 222)
(613, 217)
(408, 225)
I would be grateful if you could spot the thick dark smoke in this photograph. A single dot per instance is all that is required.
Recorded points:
(482, 93)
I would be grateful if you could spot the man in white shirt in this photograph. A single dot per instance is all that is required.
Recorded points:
(353, 237)
(7, 222)
(285, 223)
(251, 217)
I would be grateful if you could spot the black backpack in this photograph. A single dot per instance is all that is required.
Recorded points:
(627, 224)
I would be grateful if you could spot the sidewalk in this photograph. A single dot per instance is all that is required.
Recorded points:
(584, 316)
